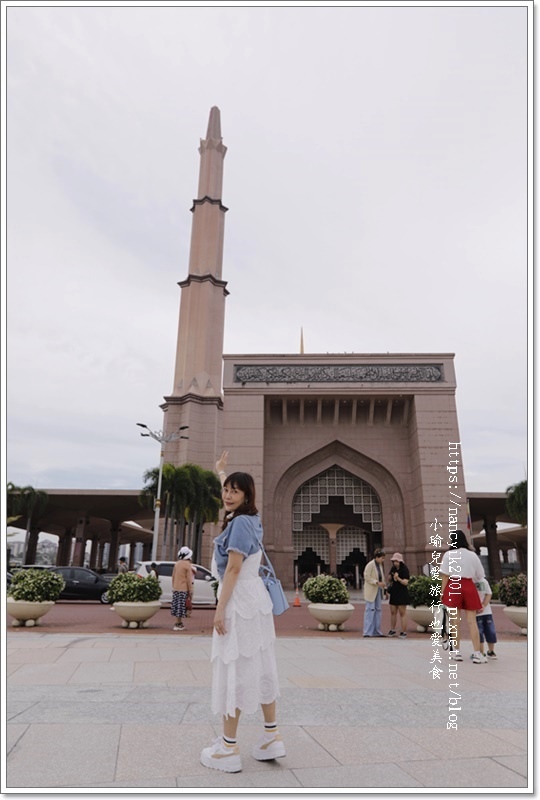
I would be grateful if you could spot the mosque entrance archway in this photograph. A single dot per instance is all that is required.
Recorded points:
(337, 521)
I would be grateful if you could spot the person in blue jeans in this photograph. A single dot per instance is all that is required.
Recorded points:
(374, 587)
(484, 620)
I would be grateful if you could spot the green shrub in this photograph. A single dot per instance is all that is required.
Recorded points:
(36, 585)
(513, 590)
(325, 589)
(419, 587)
(131, 588)
(495, 591)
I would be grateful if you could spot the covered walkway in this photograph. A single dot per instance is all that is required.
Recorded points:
(107, 518)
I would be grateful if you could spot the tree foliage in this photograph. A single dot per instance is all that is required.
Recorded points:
(131, 588)
(36, 585)
(424, 590)
(25, 502)
(513, 590)
(190, 497)
(325, 589)
(516, 502)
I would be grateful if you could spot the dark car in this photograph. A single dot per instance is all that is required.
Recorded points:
(30, 566)
(83, 584)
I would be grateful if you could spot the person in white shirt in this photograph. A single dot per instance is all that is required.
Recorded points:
(484, 620)
(460, 569)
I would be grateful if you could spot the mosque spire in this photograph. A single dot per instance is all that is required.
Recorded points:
(199, 352)
(214, 124)
(212, 152)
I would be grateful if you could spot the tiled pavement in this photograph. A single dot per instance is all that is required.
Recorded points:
(121, 711)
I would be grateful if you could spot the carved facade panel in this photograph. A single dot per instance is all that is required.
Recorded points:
(338, 373)
(316, 538)
(336, 482)
(347, 539)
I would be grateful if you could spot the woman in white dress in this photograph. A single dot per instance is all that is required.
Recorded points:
(243, 658)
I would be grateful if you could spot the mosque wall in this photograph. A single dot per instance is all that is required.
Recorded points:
(393, 437)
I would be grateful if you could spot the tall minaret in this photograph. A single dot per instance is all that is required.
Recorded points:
(196, 399)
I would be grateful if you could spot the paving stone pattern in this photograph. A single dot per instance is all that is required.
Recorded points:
(124, 711)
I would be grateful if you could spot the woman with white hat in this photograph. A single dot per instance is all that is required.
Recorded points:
(182, 586)
(399, 594)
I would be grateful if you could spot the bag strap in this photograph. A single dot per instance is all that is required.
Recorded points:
(272, 570)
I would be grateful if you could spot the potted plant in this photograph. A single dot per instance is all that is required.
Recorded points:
(328, 602)
(31, 594)
(134, 598)
(513, 593)
(423, 592)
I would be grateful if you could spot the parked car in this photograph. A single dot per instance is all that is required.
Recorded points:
(83, 584)
(203, 593)
(30, 566)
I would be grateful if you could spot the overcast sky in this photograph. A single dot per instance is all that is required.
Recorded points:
(376, 177)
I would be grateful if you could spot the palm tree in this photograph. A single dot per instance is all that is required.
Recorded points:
(516, 502)
(13, 503)
(204, 506)
(180, 494)
(148, 495)
(176, 494)
(191, 496)
(29, 503)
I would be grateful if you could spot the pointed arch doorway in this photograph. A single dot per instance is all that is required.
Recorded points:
(337, 522)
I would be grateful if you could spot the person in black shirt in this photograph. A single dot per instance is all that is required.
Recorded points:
(399, 594)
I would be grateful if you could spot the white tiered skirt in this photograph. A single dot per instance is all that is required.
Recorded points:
(243, 659)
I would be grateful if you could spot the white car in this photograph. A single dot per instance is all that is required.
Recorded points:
(203, 592)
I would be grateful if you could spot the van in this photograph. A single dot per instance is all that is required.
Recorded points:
(203, 591)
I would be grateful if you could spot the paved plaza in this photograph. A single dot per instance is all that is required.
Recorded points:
(124, 711)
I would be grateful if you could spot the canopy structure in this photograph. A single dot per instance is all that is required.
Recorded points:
(487, 509)
(102, 516)
(115, 517)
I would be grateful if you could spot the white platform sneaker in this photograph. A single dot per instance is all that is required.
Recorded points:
(266, 750)
(217, 756)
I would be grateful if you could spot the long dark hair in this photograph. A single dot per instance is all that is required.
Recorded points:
(459, 540)
(245, 483)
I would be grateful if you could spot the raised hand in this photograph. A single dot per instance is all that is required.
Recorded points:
(221, 463)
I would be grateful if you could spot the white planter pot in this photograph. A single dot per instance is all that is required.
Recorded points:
(422, 615)
(331, 616)
(27, 613)
(135, 615)
(517, 615)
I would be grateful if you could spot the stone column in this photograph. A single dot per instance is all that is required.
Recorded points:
(94, 552)
(522, 556)
(80, 542)
(113, 550)
(494, 563)
(332, 529)
(147, 551)
(31, 550)
(101, 550)
(68, 547)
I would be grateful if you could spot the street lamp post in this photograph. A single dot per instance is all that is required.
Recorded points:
(160, 437)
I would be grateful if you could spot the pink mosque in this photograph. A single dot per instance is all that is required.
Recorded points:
(348, 452)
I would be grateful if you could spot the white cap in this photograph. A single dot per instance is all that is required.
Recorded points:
(185, 552)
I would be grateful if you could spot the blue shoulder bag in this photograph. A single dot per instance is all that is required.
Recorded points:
(273, 584)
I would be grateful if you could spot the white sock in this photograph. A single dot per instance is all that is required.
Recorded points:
(228, 741)
(270, 730)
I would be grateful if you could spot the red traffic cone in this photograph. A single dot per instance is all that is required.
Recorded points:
(296, 603)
